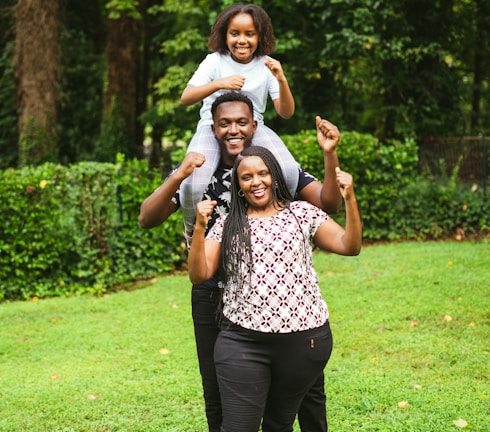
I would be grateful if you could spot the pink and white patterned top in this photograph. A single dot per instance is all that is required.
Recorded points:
(284, 294)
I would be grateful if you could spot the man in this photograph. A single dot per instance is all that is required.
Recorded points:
(233, 127)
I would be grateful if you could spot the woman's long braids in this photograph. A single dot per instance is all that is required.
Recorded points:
(236, 247)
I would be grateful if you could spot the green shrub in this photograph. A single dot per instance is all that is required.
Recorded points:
(33, 244)
(427, 208)
(379, 171)
(396, 202)
(139, 252)
(75, 230)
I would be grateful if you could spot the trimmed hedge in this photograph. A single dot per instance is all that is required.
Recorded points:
(74, 230)
(68, 230)
(396, 201)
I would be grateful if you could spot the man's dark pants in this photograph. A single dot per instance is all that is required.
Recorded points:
(205, 302)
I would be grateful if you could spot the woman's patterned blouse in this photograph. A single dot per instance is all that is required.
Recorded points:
(282, 295)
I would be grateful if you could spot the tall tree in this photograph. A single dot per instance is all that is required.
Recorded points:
(37, 73)
(122, 57)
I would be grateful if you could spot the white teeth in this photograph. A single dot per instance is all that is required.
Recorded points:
(234, 140)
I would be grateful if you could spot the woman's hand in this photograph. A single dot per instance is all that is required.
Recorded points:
(204, 210)
(345, 183)
(328, 134)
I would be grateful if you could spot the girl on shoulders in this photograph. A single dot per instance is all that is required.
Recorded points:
(242, 39)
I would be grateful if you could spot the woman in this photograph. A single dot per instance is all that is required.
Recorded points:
(275, 337)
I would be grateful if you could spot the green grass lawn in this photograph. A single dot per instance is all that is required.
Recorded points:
(411, 349)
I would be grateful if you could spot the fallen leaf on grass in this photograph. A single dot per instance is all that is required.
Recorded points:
(55, 377)
(164, 351)
(460, 423)
(417, 387)
(93, 397)
(447, 318)
(414, 323)
(403, 404)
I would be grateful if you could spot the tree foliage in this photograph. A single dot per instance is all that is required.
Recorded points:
(409, 68)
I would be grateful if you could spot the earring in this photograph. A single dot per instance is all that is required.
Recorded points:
(240, 193)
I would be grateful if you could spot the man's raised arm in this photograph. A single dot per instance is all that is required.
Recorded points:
(158, 206)
(325, 195)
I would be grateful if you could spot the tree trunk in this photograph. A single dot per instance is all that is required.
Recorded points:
(36, 62)
(122, 80)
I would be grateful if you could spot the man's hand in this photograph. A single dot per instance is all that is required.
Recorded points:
(327, 134)
(191, 161)
(204, 210)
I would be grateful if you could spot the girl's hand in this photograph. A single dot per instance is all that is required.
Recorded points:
(233, 82)
(275, 67)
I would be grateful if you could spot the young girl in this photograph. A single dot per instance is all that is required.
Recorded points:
(241, 40)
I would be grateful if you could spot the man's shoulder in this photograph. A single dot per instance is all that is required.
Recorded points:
(305, 178)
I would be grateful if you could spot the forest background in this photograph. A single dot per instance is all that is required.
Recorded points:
(84, 80)
(90, 121)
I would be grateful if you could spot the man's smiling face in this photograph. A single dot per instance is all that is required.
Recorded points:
(234, 128)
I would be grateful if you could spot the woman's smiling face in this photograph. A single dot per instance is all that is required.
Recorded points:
(255, 181)
(242, 38)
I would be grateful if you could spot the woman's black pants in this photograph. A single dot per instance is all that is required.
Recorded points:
(266, 375)
(205, 301)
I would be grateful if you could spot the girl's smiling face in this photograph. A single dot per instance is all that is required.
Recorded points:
(242, 38)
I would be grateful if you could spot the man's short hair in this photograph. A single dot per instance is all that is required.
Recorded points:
(232, 96)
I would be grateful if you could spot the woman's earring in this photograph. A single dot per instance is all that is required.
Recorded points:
(240, 193)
